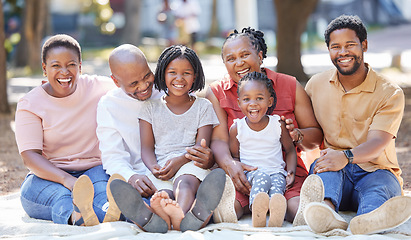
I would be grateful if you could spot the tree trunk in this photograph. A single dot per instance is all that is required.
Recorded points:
(4, 103)
(35, 15)
(131, 33)
(214, 22)
(292, 18)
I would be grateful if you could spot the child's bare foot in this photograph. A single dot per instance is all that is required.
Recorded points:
(156, 206)
(174, 211)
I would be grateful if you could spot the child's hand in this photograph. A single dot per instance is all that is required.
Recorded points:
(290, 179)
(170, 168)
(156, 170)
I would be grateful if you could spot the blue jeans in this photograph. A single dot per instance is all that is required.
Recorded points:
(353, 189)
(48, 200)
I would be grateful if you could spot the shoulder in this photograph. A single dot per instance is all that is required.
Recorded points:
(322, 77)
(35, 97)
(318, 80)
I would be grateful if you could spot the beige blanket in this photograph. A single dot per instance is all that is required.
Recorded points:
(15, 224)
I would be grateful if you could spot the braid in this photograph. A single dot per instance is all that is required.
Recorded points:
(171, 53)
(261, 77)
(256, 38)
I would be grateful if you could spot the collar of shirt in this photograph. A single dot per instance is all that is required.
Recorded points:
(368, 85)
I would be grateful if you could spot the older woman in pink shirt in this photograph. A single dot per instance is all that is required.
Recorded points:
(56, 137)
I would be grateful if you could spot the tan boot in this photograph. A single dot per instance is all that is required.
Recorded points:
(391, 214)
(113, 212)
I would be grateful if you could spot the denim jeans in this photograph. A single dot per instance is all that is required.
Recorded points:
(43, 199)
(353, 189)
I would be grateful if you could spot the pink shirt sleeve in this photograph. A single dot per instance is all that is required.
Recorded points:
(29, 131)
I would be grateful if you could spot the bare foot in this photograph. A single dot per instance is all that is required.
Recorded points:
(157, 208)
(174, 211)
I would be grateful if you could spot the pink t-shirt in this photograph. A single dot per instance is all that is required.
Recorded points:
(63, 128)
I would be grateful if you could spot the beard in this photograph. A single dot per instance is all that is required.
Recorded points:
(353, 69)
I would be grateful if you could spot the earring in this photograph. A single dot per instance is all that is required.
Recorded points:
(44, 74)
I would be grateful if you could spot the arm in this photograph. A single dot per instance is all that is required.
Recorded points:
(290, 154)
(43, 168)
(29, 138)
(308, 125)
(147, 147)
(333, 160)
(174, 164)
(220, 147)
(234, 144)
(114, 154)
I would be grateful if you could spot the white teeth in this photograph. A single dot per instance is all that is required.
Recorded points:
(179, 86)
(243, 71)
(346, 60)
(64, 80)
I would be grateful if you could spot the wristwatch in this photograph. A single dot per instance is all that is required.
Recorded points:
(349, 155)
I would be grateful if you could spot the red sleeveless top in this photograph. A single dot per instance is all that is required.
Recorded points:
(285, 87)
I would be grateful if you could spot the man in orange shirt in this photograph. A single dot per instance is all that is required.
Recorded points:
(360, 113)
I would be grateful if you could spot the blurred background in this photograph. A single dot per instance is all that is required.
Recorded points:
(293, 30)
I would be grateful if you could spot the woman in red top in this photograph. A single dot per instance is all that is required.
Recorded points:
(243, 53)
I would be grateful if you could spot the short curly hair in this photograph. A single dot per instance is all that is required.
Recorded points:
(60, 40)
(346, 21)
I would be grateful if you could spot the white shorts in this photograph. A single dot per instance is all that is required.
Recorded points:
(188, 168)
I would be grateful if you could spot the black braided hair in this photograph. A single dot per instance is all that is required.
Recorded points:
(261, 77)
(346, 21)
(60, 40)
(256, 38)
(171, 53)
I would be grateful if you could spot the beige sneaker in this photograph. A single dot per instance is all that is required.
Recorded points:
(277, 206)
(391, 214)
(321, 218)
(312, 190)
(225, 211)
(259, 209)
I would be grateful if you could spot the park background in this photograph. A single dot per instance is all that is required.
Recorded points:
(293, 32)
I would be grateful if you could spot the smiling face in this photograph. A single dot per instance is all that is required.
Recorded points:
(135, 78)
(346, 51)
(62, 68)
(240, 58)
(254, 99)
(179, 77)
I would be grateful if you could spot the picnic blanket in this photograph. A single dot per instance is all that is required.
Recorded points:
(16, 224)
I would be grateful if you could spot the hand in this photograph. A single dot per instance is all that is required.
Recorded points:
(289, 179)
(69, 182)
(330, 160)
(201, 155)
(142, 184)
(236, 173)
(289, 124)
(156, 170)
(171, 167)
